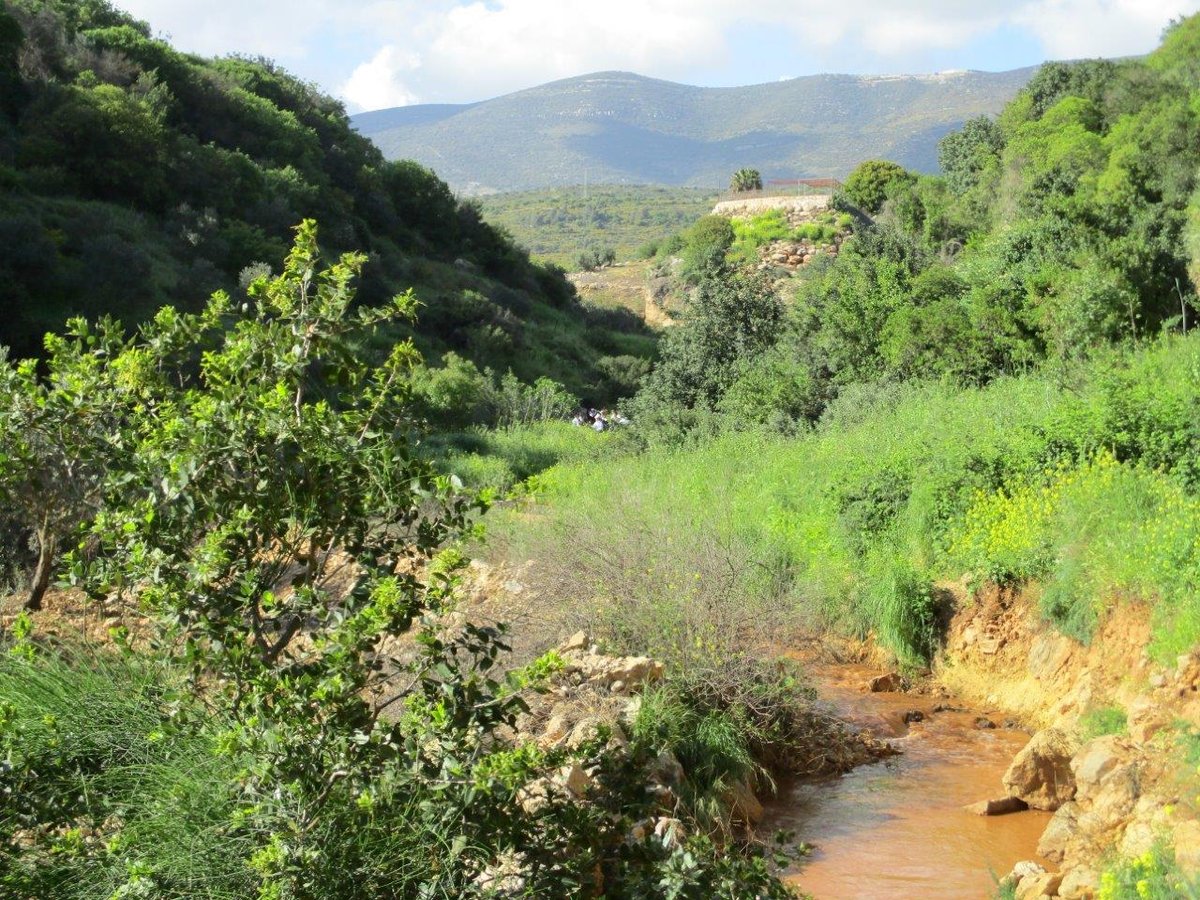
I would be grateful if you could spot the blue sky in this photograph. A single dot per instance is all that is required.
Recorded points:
(380, 53)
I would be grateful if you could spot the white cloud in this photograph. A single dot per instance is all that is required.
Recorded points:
(389, 52)
(1074, 29)
(377, 84)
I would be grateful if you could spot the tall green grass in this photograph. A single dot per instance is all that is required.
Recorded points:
(1082, 478)
(112, 788)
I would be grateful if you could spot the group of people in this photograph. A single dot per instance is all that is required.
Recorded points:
(597, 419)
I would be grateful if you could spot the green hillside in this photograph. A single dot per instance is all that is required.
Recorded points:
(557, 224)
(621, 128)
(135, 176)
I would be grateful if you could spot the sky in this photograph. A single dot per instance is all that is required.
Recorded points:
(375, 54)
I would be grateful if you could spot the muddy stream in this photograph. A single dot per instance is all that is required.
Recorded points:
(897, 828)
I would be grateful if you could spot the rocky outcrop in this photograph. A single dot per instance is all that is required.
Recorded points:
(1041, 774)
(1113, 796)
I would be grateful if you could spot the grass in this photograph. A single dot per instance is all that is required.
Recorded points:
(1083, 479)
(1102, 721)
(504, 459)
(115, 764)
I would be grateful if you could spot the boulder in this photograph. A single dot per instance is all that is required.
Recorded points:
(1001, 807)
(913, 715)
(578, 641)
(1063, 827)
(1041, 773)
(557, 727)
(575, 780)
(1026, 868)
(1094, 762)
(666, 769)
(1146, 719)
(1113, 802)
(1078, 884)
(885, 684)
(744, 806)
(1036, 886)
(1187, 847)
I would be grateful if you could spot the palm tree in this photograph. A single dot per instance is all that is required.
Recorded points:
(745, 180)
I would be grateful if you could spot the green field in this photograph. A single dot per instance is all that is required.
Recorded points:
(557, 224)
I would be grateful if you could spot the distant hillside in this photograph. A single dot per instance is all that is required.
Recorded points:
(133, 175)
(557, 224)
(616, 127)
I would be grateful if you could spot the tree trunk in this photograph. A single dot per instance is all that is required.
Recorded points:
(41, 576)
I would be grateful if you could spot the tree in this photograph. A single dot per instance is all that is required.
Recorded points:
(744, 180)
(261, 502)
(59, 435)
(867, 186)
(705, 246)
(727, 319)
(963, 155)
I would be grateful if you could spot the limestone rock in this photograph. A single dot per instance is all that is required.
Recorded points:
(666, 769)
(1063, 826)
(1036, 886)
(1001, 807)
(744, 806)
(1026, 868)
(1094, 762)
(1187, 847)
(1041, 773)
(1112, 803)
(885, 684)
(575, 780)
(578, 641)
(1078, 884)
(1146, 719)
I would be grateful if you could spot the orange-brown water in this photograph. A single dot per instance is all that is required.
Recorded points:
(897, 828)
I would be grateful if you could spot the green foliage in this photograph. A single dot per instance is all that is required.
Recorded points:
(727, 320)
(966, 156)
(868, 185)
(557, 224)
(704, 248)
(744, 180)
(594, 258)
(757, 231)
(308, 719)
(1154, 875)
(137, 176)
(1102, 721)
(1089, 491)
(113, 782)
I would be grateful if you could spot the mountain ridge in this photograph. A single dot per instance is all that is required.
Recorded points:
(624, 128)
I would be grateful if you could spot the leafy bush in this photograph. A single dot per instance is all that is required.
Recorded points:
(1153, 875)
(1102, 721)
(295, 559)
(592, 259)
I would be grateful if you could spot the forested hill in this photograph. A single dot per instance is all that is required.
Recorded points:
(621, 128)
(133, 175)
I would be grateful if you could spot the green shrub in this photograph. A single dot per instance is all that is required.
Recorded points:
(1101, 721)
(1153, 876)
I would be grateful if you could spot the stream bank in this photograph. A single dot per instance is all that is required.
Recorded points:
(1104, 773)
(898, 828)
